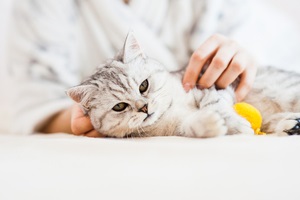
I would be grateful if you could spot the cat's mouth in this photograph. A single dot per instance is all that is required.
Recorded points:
(148, 116)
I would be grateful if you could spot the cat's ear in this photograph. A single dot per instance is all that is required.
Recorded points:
(82, 94)
(131, 49)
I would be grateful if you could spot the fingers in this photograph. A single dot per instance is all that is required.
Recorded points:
(228, 62)
(246, 82)
(235, 68)
(199, 59)
(219, 64)
(93, 133)
(81, 124)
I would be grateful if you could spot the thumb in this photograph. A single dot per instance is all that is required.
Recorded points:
(80, 123)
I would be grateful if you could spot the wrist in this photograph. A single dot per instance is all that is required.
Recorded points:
(59, 123)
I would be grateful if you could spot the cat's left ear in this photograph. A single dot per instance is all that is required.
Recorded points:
(82, 94)
(131, 49)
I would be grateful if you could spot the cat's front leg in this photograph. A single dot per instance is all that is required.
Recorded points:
(221, 102)
(282, 124)
(204, 124)
(237, 124)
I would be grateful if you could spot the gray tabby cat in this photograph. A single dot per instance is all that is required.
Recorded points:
(134, 96)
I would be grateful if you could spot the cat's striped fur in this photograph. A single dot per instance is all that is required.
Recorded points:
(133, 95)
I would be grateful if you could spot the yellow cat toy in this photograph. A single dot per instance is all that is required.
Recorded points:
(251, 114)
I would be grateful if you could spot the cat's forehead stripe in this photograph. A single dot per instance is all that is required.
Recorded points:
(110, 74)
(116, 96)
(121, 80)
(113, 89)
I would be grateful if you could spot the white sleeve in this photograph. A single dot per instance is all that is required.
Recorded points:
(264, 32)
(271, 36)
(42, 60)
(217, 16)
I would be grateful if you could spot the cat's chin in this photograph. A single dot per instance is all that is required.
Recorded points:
(150, 119)
(154, 117)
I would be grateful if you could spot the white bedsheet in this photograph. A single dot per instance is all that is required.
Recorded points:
(68, 167)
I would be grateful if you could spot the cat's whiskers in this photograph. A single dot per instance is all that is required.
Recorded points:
(127, 132)
(138, 132)
(144, 132)
(124, 132)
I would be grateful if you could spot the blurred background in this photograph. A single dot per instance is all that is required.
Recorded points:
(289, 8)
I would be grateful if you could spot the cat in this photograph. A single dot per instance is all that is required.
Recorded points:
(134, 96)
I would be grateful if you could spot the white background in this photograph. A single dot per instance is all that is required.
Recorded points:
(290, 7)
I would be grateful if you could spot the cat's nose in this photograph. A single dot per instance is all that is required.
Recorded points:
(144, 109)
(141, 106)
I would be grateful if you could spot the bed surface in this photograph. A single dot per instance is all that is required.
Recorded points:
(68, 167)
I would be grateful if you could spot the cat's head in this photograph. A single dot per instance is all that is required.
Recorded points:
(125, 95)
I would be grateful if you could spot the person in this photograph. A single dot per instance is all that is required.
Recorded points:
(55, 44)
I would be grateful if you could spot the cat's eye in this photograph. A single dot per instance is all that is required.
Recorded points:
(144, 86)
(120, 107)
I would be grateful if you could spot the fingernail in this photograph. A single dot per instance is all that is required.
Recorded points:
(200, 87)
(187, 87)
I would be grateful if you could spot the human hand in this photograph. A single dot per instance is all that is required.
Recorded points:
(228, 61)
(81, 124)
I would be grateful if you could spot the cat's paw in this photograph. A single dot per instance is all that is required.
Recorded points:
(289, 126)
(239, 125)
(205, 125)
(282, 124)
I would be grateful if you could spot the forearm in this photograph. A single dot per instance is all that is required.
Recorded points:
(59, 123)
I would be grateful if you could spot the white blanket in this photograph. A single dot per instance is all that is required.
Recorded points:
(69, 167)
